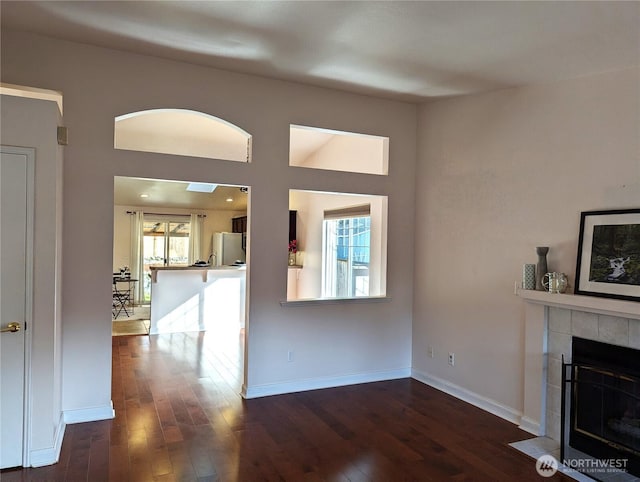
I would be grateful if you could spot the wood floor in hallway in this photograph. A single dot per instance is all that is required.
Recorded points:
(179, 417)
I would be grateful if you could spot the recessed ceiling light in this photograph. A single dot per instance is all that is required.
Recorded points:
(144, 195)
(229, 199)
(201, 187)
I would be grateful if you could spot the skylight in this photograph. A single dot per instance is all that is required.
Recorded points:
(201, 187)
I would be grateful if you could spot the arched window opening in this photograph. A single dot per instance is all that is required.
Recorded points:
(182, 132)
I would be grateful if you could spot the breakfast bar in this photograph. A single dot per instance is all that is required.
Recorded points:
(196, 298)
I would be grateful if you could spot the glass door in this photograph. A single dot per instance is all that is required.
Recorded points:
(166, 243)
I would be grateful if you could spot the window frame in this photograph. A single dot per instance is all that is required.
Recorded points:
(331, 256)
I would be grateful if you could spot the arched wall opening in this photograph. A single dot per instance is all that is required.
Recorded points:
(182, 132)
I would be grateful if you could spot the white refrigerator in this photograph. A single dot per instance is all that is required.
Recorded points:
(227, 249)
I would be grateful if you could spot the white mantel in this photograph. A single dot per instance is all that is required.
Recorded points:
(592, 304)
(536, 310)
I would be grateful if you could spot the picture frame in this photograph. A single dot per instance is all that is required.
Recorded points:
(608, 263)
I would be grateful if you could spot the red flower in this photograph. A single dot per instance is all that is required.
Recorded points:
(293, 246)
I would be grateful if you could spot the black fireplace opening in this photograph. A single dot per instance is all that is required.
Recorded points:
(603, 388)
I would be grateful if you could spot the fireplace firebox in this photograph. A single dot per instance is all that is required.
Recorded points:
(601, 407)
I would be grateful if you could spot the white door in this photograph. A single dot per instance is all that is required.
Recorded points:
(15, 170)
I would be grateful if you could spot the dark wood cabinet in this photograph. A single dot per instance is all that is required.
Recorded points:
(293, 233)
(239, 224)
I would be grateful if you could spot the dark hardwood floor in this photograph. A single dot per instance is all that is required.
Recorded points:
(179, 417)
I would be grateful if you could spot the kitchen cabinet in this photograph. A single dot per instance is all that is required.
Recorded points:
(293, 234)
(239, 224)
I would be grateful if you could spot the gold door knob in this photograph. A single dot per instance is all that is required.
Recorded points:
(11, 327)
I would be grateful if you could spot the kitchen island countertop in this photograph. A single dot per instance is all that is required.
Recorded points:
(155, 269)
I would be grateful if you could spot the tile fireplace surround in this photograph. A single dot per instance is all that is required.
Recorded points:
(550, 322)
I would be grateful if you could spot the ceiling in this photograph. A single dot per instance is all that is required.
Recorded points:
(173, 194)
(407, 50)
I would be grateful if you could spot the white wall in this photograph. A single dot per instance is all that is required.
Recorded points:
(333, 344)
(32, 123)
(499, 174)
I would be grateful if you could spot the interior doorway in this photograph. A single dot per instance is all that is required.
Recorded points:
(177, 222)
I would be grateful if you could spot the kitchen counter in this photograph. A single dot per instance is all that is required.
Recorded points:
(196, 298)
(155, 269)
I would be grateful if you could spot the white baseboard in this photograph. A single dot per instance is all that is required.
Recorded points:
(468, 396)
(318, 383)
(529, 425)
(51, 455)
(487, 404)
(92, 414)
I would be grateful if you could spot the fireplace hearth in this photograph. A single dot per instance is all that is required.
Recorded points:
(600, 408)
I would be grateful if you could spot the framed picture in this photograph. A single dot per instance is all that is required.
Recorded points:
(609, 254)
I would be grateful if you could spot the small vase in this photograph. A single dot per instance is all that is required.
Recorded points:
(541, 266)
(529, 277)
(292, 259)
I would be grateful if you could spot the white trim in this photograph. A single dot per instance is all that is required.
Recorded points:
(318, 383)
(487, 404)
(530, 425)
(30, 155)
(42, 457)
(335, 132)
(592, 304)
(93, 414)
(32, 93)
(334, 301)
(152, 112)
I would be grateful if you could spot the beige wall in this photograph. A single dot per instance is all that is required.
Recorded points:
(334, 344)
(32, 123)
(499, 174)
(351, 153)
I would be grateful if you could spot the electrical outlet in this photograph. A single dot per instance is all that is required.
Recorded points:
(430, 351)
(452, 359)
(290, 356)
